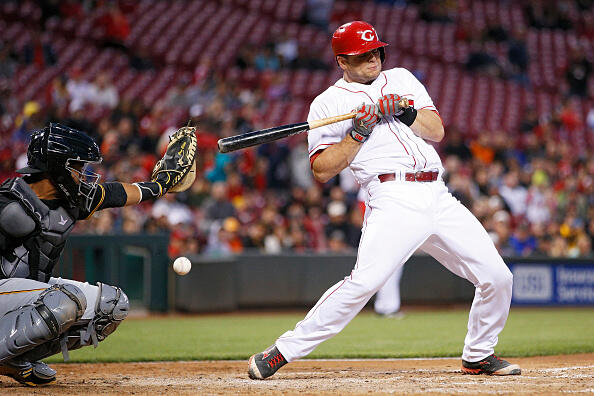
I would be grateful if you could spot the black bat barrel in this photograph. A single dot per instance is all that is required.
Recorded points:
(262, 136)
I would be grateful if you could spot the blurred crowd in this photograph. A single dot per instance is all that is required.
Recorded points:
(533, 192)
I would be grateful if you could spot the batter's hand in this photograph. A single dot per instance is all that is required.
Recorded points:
(392, 105)
(367, 117)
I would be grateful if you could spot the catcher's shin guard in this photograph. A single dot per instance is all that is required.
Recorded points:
(56, 309)
(110, 310)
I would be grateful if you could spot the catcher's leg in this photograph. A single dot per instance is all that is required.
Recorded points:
(110, 309)
(23, 329)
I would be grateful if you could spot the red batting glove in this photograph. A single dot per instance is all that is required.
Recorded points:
(389, 105)
(367, 117)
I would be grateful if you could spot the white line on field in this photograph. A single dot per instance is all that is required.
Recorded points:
(552, 370)
(382, 360)
(558, 369)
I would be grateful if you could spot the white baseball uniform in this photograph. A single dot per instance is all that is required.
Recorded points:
(387, 298)
(402, 216)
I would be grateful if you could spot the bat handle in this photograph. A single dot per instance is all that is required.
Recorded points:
(331, 120)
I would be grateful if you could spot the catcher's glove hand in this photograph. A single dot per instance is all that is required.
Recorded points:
(176, 171)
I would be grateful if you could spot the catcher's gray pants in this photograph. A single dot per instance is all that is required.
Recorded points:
(16, 292)
(106, 306)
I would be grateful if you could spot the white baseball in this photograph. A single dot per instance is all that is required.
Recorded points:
(182, 265)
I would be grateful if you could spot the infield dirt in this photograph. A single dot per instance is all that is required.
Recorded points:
(548, 375)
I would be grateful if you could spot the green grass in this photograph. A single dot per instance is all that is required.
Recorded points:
(528, 332)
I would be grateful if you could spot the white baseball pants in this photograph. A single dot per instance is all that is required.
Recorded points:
(387, 298)
(403, 217)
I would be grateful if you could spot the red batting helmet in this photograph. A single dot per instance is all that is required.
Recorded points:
(356, 38)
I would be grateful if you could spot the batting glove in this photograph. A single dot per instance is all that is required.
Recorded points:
(391, 105)
(366, 118)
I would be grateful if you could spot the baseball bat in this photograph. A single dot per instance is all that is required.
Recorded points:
(262, 136)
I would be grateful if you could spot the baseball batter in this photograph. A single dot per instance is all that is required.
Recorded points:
(41, 315)
(408, 206)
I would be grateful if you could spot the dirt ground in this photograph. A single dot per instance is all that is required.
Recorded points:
(549, 375)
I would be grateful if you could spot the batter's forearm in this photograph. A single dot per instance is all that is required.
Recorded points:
(428, 125)
(335, 158)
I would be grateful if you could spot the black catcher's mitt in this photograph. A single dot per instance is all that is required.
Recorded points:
(176, 171)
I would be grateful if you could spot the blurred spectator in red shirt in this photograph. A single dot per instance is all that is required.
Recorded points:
(116, 26)
(314, 224)
(71, 8)
(235, 186)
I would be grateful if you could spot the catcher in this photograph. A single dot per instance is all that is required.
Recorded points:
(41, 315)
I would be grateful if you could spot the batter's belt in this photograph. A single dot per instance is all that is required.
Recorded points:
(420, 176)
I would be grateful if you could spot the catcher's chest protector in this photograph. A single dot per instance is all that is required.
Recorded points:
(35, 257)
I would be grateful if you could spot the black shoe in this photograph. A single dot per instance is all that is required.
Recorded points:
(263, 365)
(30, 374)
(491, 365)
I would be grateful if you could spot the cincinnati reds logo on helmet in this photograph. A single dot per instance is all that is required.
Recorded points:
(368, 35)
(354, 38)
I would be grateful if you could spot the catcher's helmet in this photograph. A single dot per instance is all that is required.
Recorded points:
(64, 154)
(356, 38)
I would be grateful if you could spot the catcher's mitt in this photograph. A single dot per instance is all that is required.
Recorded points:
(176, 171)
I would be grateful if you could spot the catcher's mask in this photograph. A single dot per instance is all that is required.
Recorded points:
(355, 38)
(66, 155)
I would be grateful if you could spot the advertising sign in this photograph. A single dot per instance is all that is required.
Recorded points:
(553, 283)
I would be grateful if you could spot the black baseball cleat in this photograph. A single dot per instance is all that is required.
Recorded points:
(30, 374)
(491, 365)
(263, 365)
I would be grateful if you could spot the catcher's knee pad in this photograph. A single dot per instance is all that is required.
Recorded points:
(54, 312)
(112, 307)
